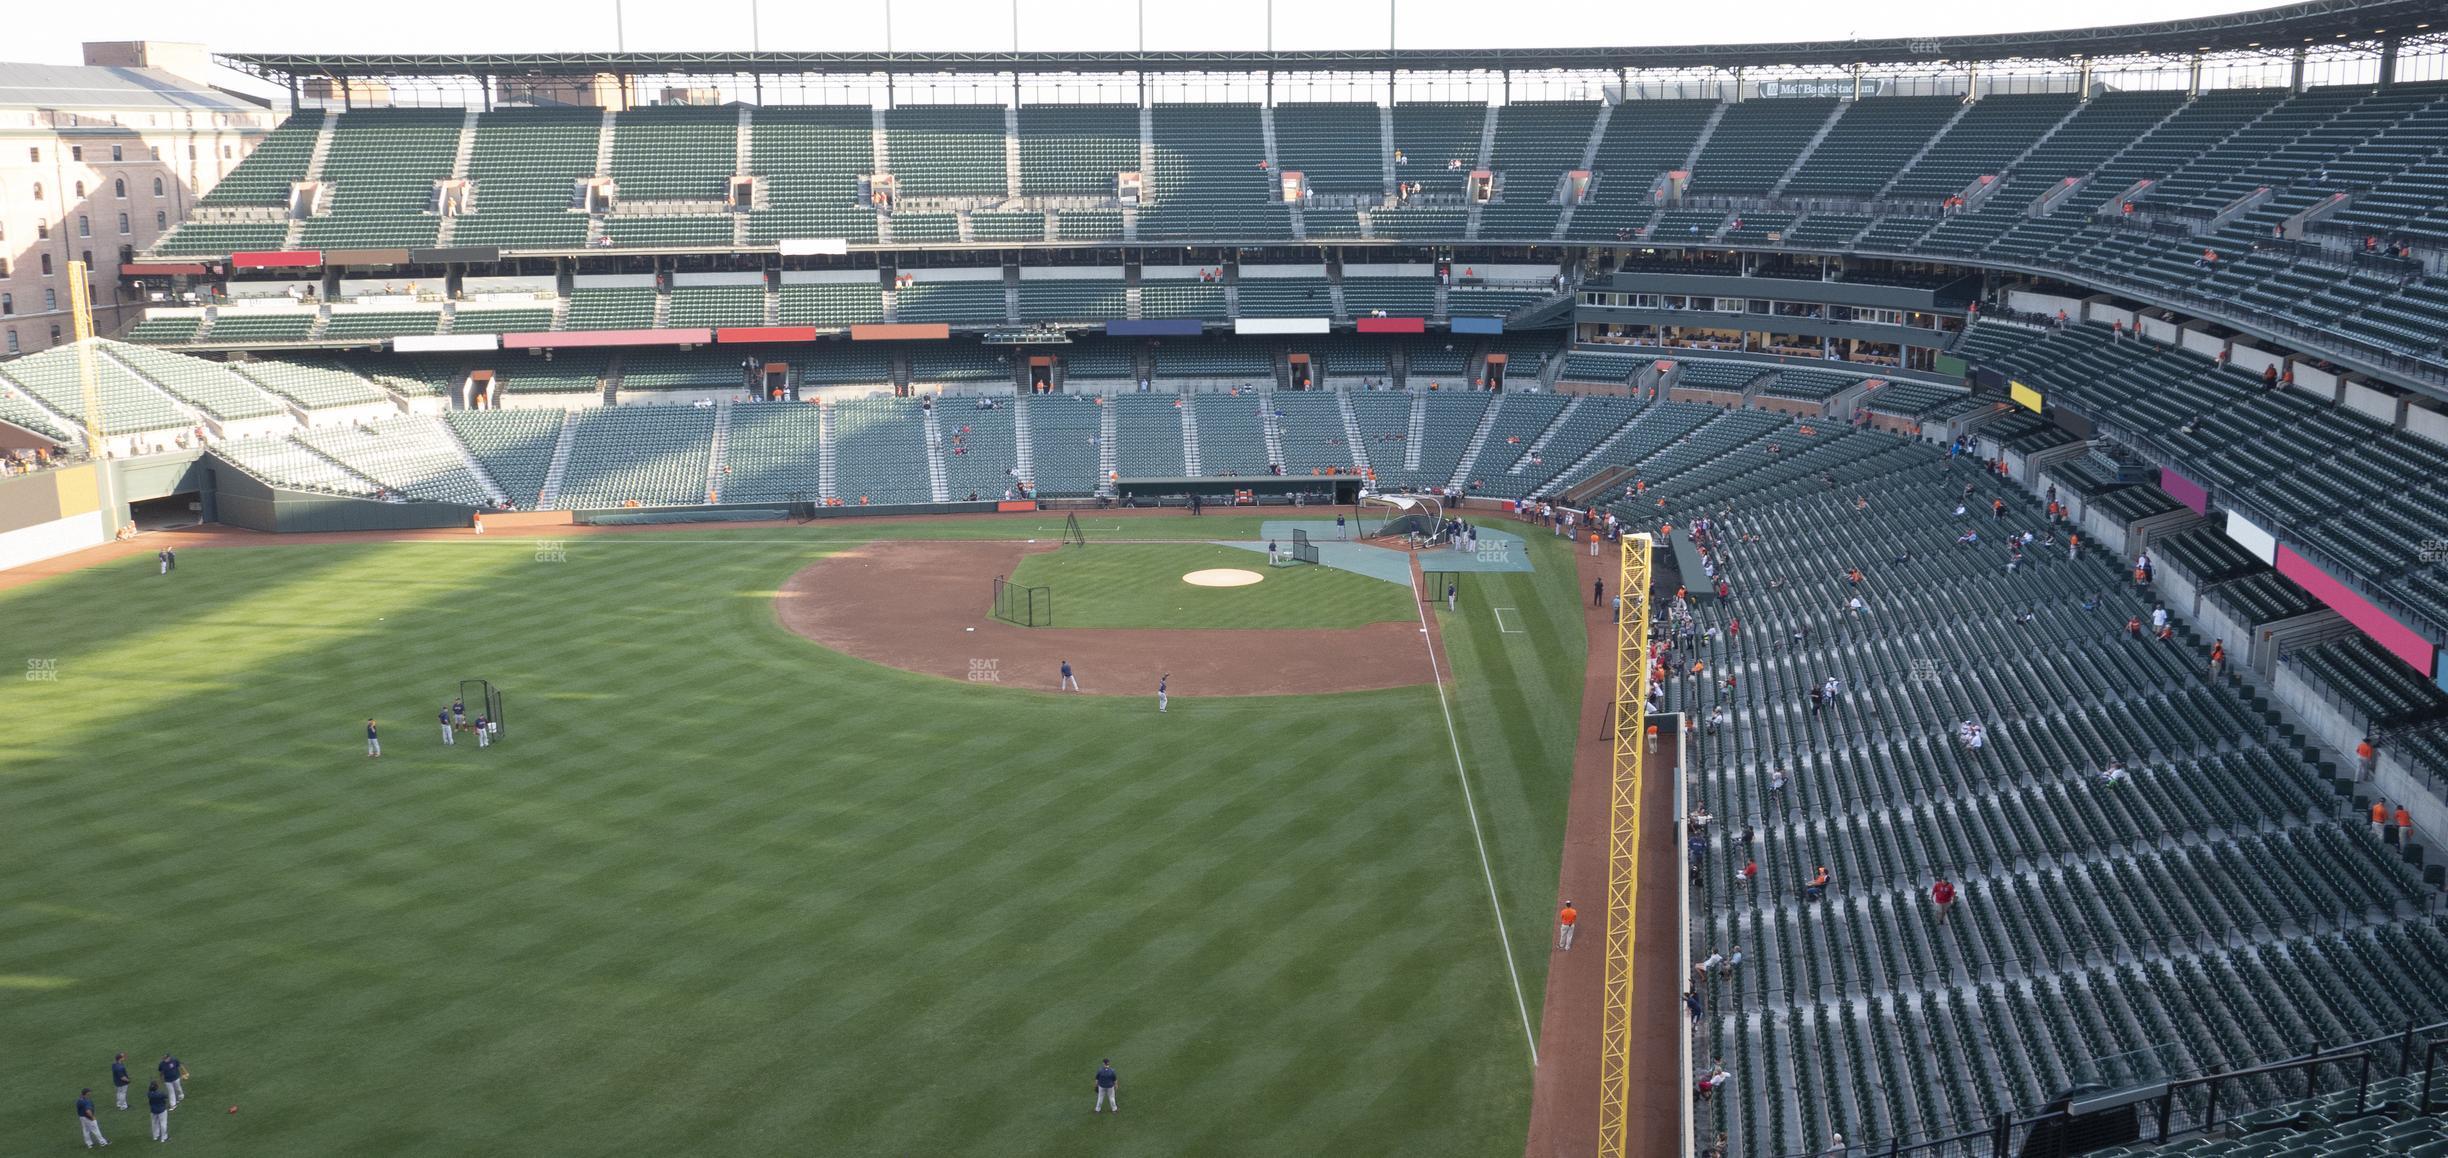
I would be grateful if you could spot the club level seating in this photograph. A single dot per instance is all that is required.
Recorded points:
(262, 326)
(203, 239)
(1075, 150)
(675, 153)
(717, 305)
(1430, 362)
(1809, 385)
(987, 226)
(1601, 366)
(831, 304)
(515, 447)
(381, 167)
(648, 455)
(501, 320)
(1336, 147)
(2374, 685)
(1101, 358)
(129, 406)
(1181, 298)
(879, 451)
(368, 325)
(1089, 224)
(838, 364)
(980, 448)
(1491, 301)
(682, 370)
(1204, 358)
(972, 302)
(932, 364)
(523, 164)
(1420, 221)
(1407, 297)
(1285, 297)
(1908, 399)
(1073, 300)
(914, 228)
(611, 309)
(264, 176)
(166, 331)
(773, 453)
(1704, 374)
(1063, 432)
(1826, 230)
(699, 231)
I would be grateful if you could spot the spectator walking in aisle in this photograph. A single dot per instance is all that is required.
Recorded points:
(1691, 1002)
(2380, 819)
(2159, 618)
(2218, 658)
(2405, 827)
(1942, 898)
(88, 1126)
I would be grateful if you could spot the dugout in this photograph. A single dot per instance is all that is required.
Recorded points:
(1219, 490)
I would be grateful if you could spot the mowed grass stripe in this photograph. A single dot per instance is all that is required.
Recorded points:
(720, 888)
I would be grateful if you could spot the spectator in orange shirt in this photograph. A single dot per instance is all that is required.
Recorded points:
(2405, 825)
(2380, 819)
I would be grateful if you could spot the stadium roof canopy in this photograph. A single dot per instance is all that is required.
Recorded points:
(2313, 24)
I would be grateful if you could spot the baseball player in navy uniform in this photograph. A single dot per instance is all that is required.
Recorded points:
(1068, 683)
(172, 1074)
(458, 711)
(1106, 1079)
(159, 1102)
(1160, 689)
(449, 734)
(484, 732)
(119, 1079)
(89, 1127)
(373, 742)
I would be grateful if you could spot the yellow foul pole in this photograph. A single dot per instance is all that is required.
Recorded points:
(1631, 718)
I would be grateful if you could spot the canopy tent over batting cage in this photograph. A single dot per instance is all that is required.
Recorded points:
(1402, 516)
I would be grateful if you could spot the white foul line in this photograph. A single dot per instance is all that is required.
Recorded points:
(1520, 1004)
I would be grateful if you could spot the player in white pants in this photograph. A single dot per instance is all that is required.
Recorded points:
(1106, 1081)
(1160, 690)
(449, 734)
(373, 741)
(484, 732)
(89, 1128)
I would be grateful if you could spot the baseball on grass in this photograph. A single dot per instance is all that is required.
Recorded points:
(233, 1109)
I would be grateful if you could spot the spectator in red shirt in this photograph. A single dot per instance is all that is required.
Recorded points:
(1942, 895)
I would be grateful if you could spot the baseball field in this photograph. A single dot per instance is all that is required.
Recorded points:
(723, 887)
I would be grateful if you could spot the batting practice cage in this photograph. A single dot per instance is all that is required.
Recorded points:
(1072, 535)
(1433, 583)
(1023, 605)
(1405, 515)
(482, 698)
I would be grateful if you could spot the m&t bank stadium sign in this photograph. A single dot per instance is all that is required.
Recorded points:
(1837, 86)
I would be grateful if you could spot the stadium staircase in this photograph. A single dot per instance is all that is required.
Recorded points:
(1011, 151)
(1538, 445)
(549, 497)
(1708, 129)
(1415, 432)
(1385, 147)
(1190, 437)
(1803, 157)
(1108, 424)
(1589, 164)
(1485, 159)
(603, 144)
(828, 428)
(938, 482)
(718, 450)
(1351, 432)
(1024, 439)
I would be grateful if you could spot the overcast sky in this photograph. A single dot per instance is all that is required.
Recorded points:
(51, 32)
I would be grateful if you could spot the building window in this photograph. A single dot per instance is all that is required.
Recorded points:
(116, 154)
(76, 152)
(46, 265)
(50, 299)
(55, 335)
(123, 223)
(191, 152)
(86, 256)
(157, 187)
(12, 341)
(84, 226)
(157, 152)
(225, 152)
(42, 231)
(3, 267)
(34, 155)
(127, 253)
(8, 304)
(80, 190)
(161, 220)
(38, 190)
(119, 187)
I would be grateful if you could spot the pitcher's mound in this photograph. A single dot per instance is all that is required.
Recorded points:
(1222, 577)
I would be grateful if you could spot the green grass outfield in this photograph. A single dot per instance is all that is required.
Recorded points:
(1140, 585)
(725, 891)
